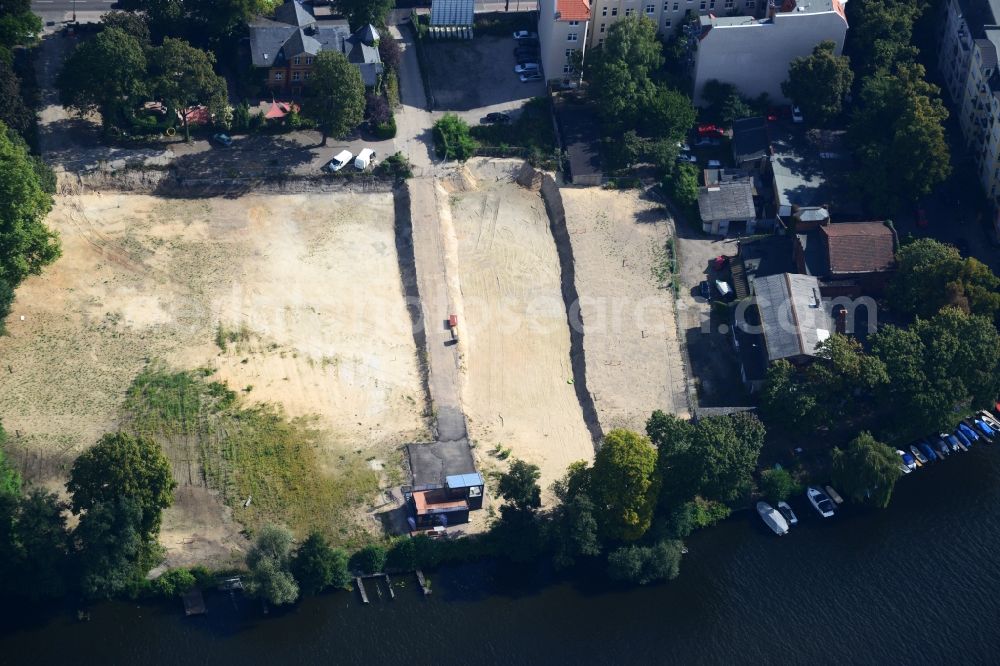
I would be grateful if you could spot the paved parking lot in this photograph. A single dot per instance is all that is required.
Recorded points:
(476, 76)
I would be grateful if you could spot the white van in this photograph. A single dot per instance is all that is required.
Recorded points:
(364, 159)
(339, 161)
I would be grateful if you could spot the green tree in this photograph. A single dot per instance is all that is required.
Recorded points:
(19, 26)
(624, 485)
(336, 95)
(15, 114)
(867, 471)
(931, 275)
(898, 137)
(316, 566)
(10, 479)
(787, 400)
(881, 34)
(173, 583)
(575, 532)
(123, 465)
(843, 383)
(519, 486)
(269, 561)
(360, 13)
(183, 77)
(452, 140)
(370, 559)
(105, 73)
(720, 462)
(681, 185)
(646, 564)
(131, 23)
(777, 485)
(696, 514)
(34, 545)
(114, 549)
(723, 102)
(819, 82)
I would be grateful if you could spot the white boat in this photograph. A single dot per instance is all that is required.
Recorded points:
(820, 501)
(834, 495)
(772, 518)
(787, 512)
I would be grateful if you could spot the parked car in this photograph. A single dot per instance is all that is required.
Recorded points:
(528, 41)
(797, 115)
(708, 129)
(714, 164)
(526, 54)
(365, 159)
(526, 67)
(566, 84)
(687, 157)
(524, 34)
(339, 161)
(683, 147)
(496, 117)
(531, 76)
(222, 139)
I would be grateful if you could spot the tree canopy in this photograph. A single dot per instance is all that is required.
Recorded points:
(269, 561)
(624, 485)
(931, 275)
(123, 465)
(182, 76)
(115, 549)
(452, 139)
(819, 82)
(337, 95)
(519, 486)
(362, 12)
(867, 471)
(316, 566)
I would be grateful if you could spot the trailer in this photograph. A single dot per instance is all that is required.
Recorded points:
(453, 326)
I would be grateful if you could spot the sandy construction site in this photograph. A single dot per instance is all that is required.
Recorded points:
(306, 287)
(634, 362)
(517, 376)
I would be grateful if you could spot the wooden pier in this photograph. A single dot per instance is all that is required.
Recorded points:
(423, 582)
(361, 588)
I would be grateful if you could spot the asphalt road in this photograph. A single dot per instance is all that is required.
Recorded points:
(52, 6)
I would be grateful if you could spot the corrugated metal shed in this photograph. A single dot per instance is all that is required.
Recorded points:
(457, 13)
(793, 319)
(464, 480)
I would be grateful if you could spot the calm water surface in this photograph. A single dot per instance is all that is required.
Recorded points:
(917, 583)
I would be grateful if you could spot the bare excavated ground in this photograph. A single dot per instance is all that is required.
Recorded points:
(517, 375)
(305, 288)
(634, 362)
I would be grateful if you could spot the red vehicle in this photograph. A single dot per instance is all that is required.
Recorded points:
(707, 129)
(720, 262)
(922, 218)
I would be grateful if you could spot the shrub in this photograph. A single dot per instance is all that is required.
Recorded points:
(452, 139)
(173, 583)
(392, 88)
(370, 559)
(396, 165)
(645, 564)
(778, 485)
(386, 130)
(377, 109)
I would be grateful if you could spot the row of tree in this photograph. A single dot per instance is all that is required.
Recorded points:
(118, 488)
(118, 70)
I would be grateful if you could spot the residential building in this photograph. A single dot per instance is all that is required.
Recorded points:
(668, 15)
(793, 319)
(562, 35)
(753, 54)
(967, 60)
(849, 258)
(725, 203)
(286, 46)
(810, 172)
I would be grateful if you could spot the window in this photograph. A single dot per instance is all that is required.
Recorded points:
(309, 60)
(650, 10)
(751, 4)
(667, 23)
(602, 27)
(296, 60)
(569, 53)
(604, 11)
(666, 6)
(567, 69)
(614, 11)
(571, 37)
(729, 4)
(573, 24)
(703, 3)
(600, 41)
(677, 6)
(629, 10)
(711, 5)
(295, 76)
(278, 76)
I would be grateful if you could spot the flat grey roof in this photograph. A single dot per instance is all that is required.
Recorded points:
(452, 12)
(750, 139)
(792, 316)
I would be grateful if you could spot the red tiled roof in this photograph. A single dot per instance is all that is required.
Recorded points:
(573, 10)
(858, 247)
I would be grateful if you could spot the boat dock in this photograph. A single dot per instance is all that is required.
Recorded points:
(423, 582)
(359, 581)
(361, 588)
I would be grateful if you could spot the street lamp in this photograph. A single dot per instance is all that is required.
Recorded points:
(74, 11)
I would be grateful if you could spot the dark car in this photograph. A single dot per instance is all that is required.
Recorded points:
(528, 41)
(497, 117)
(526, 53)
(223, 140)
(705, 290)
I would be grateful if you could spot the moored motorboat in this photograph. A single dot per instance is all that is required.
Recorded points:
(939, 446)
(787, 512)
(772, 518)
(955, 442)
(823, 505)
(920, 457)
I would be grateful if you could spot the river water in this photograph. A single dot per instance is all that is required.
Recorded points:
(918, 583)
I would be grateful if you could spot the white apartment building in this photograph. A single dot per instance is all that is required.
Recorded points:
(754, 54)
(668, 15)
(967, 59)
(562, 30)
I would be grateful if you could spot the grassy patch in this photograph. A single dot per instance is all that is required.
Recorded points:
(532, 132)
(254, 451)
(226, 336)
